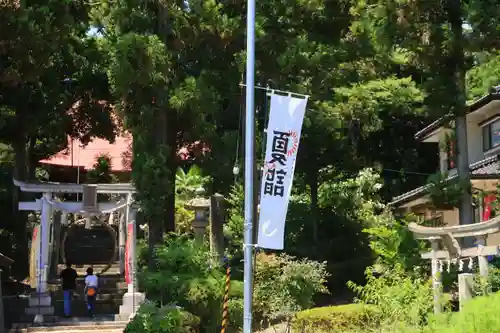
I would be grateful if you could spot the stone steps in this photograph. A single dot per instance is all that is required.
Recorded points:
(112, 287)
(76, 330)
(79, 308)
(101, 324)
(103, 295)
(114, 269)
(105, 285)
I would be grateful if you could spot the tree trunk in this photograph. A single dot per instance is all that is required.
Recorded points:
(458, 60)
(171, 124)
(313, 184)
(155, 237)
(168, 128)
(56, 244)
(21, 173)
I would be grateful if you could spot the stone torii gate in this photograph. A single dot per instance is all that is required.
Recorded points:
(40, 302)
(452, 253)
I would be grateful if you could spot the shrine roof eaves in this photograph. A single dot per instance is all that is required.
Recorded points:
(40, 187)
(489, 168)
(476, 105)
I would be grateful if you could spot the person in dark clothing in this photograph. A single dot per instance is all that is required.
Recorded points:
(68, 278)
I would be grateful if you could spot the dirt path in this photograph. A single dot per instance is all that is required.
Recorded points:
(278, 328)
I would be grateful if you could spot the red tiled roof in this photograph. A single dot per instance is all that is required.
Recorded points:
(120, 153)
(76, 154)
(85, 156)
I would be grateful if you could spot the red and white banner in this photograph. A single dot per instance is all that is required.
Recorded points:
(283, 138)
(128, 253)
(35, 257)
(487, 207)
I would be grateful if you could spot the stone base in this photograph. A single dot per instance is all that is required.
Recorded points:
(465, 285)
(131, 303)
(40, 305)
(40, 299)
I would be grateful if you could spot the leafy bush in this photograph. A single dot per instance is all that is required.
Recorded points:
(185, 277)
(233, 229)
(397, 296)
(393, 243)
(332, 318)
(188, 183)
(444, 192)
(167, 319)
(477, 316)
(486, 285)
(183, 218)
(285, 285)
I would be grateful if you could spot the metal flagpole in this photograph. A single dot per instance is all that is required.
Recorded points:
(249, 169)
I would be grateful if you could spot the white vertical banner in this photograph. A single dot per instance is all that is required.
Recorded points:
(283, 137)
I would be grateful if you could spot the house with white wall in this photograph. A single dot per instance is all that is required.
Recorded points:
(483, 140)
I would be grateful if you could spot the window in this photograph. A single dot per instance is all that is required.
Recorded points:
(491, 135)
(435, 221)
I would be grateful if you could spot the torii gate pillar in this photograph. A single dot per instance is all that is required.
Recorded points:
(132, 299)
(40, 303)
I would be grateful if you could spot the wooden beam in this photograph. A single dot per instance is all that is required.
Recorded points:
(70, 206)
(466, 253)
(467, 230)
(30, 205)
(117, 188)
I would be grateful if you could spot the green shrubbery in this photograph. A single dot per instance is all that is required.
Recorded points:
(397, 296)
(185, 277)
(283, 286)
(332, 318)
(167, 319)
(479, 315)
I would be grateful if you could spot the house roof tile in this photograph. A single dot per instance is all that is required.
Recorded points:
(477, 104)
(487, 168)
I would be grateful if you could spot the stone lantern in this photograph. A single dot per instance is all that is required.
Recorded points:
(201, 208)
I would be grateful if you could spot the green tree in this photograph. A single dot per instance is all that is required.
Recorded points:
(484, 75)
(161, 56)
(52, 85)
(101, 171)
(189, 183)
(432, 36)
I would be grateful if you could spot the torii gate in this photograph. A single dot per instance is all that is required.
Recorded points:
(453, 253)
(40, 303)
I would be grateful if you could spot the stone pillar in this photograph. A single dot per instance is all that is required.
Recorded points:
(483, 260)
(216, 227)
(199, 225)
(465, 284)
(132, 233)
(40, 302)
(436, 277)
(64, 218)
(132, 298)
(45, 233)
(56, 243)
(122, 236)
(88, 222)
(201, 208)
